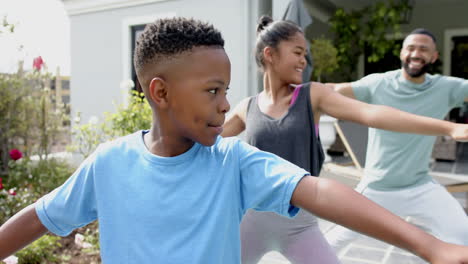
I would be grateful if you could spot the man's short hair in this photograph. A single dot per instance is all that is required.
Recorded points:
(169, 37)
(423, 31)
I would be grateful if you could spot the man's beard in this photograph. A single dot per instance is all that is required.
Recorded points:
(415, 72)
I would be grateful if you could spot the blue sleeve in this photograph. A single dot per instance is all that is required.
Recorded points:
(364, 87)
(267, 181)
(459, 90)
(71, 205)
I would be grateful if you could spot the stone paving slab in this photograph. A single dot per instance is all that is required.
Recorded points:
(364, 250)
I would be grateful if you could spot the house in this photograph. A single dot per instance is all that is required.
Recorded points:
(103, 34)
(446, 19)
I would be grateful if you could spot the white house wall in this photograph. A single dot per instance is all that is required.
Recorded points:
(98, 55)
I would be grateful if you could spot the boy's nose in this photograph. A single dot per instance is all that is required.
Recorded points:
(224, 105)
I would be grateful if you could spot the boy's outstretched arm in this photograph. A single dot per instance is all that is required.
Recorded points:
(338, 203)
(19, 231)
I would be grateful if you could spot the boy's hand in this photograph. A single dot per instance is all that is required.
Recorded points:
(460, 132)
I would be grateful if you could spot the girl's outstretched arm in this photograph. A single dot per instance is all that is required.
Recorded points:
(338, 203)
(235, 122)
(19, 231)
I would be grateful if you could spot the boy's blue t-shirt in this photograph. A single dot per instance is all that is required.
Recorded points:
(398, 160)
(183, 209)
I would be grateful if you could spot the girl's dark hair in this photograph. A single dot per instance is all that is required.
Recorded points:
(270, 33)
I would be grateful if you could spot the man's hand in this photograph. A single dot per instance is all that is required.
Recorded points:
(460, 132)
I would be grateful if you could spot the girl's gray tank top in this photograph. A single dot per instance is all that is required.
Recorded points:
(292, 137)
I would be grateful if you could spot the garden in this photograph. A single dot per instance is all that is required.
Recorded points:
(30, 123)
(32, 120)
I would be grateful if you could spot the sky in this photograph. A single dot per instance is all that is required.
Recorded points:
(42, 27)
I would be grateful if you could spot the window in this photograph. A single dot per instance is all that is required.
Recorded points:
(135, 33)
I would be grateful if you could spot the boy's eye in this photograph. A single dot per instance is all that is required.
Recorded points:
(216, 90)
(213, 91)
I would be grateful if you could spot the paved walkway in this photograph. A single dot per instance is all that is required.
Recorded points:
(364, 250)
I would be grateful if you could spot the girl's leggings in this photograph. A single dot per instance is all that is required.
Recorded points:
(298, 239)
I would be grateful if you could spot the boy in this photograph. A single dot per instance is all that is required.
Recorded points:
(177, 193)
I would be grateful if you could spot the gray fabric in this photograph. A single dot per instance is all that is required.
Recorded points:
(262, 232)
(291, 137)
(297, 13)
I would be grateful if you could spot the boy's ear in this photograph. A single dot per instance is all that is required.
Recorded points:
(158, 91)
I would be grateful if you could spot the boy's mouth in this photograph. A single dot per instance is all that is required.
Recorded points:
(217, 128)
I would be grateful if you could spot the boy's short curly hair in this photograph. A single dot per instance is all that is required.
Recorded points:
(168, 37)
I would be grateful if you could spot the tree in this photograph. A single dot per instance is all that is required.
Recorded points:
(325, 57)
(369, 26)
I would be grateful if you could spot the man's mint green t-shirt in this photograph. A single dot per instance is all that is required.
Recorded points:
(399, 160)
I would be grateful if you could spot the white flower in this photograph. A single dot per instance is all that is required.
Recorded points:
(79, 241)
(79, 238)
(93, 120)
(77, 119)
(11, 260)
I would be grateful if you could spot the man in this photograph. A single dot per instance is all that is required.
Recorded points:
(396, 175)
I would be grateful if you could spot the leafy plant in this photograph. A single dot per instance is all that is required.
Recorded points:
(27, 181)
(92, 237)
(369, 26)
(39, 251)
(126, 120)
(28, 119)
(6, 26)
(12, 200)
(325, 57)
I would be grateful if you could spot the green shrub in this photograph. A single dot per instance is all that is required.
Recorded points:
(39, 251)
(325, 57)
(29, 120)
(126, 120)
(27, 181)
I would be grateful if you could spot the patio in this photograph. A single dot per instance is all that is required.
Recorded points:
(366, 250)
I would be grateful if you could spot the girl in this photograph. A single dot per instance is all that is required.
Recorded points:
(283, 119)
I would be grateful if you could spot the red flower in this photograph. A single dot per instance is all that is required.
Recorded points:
(15, 154)
(38, 63)
(12, 192)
